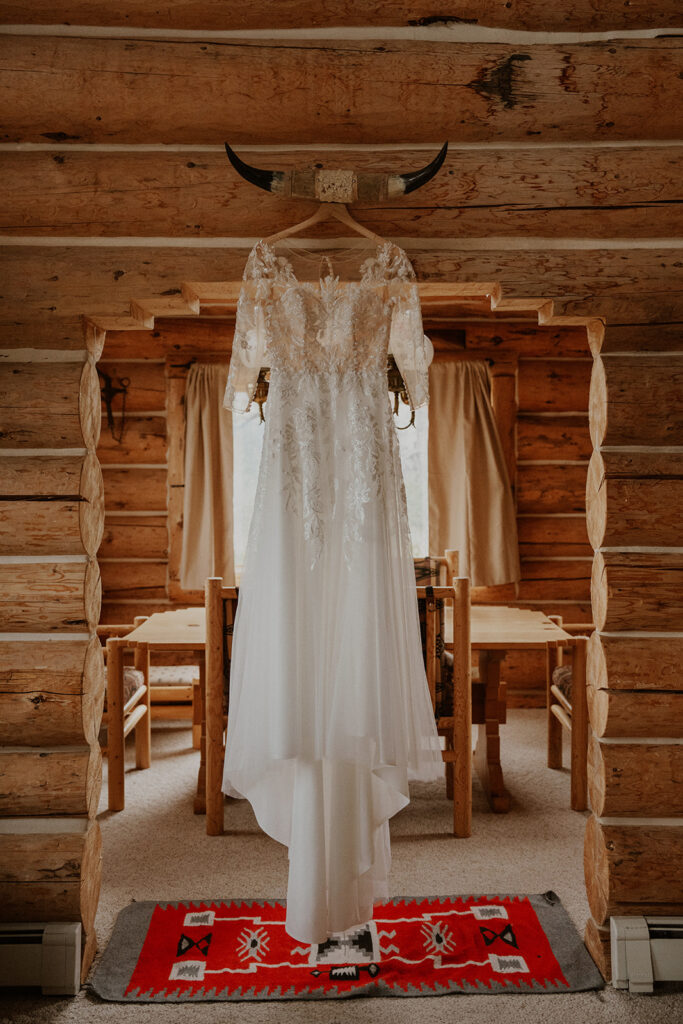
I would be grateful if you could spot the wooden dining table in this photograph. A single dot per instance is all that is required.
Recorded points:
(494, 631)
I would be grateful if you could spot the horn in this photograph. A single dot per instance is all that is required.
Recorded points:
(400, 184)
(270, 181)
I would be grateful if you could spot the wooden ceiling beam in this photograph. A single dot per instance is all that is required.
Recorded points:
(216, 15)
(186, 91)
(47, 288)
(585, 192)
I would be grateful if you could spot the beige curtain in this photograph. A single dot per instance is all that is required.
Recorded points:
(470, 499)
(207, 507)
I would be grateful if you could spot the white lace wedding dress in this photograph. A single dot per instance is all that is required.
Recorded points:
(329, 707)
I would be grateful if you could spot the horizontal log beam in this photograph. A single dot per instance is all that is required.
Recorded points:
(635, 498)
(637, 590)
(630, 192)
(655, 337)
(51, 505)
(40, 597)
(550, 488)
(635, 663)
(143, 580)
(57, 781)
(187, 91)
(134, 490)
(554, 438)
(48, 289)
(652, 385)
(637, 779)
(135, 537)
(51, 693)
(134, 439)
(51, 875)
(525, 339)
(633, 869)
(547, 385)
(146, 388)
(543, 536)
(49, 405)
(635, 713)
(215, 15)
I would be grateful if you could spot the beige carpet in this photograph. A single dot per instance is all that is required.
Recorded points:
(157, 849)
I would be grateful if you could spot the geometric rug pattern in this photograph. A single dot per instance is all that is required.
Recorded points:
(239, 950)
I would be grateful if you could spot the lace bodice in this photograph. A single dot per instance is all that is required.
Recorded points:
(313, 327)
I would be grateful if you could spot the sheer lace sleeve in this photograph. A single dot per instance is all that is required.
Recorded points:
(252, 337)
(407, 339)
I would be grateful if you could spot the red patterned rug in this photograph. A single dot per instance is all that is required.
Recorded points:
(239, 950)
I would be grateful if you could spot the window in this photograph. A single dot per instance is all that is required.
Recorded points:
(247, 442)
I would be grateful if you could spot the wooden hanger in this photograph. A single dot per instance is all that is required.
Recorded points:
(327, 211)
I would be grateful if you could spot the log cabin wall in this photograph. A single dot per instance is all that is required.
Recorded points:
(562, 181)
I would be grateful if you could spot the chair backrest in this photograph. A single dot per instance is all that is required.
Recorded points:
(434, 601)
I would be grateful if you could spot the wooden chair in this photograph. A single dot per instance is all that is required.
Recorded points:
(567, 708)
(454, 721)
(174, 687)
(127, 709)
(221, 607)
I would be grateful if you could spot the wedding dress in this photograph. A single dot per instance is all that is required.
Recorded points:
(329, 708)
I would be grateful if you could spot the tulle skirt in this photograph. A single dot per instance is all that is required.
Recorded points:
(329, 709)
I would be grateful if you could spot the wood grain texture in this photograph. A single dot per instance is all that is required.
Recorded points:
(635, 713)
(134, 537)
(551, 488)
(182, 91)
(636, 778)
(598, 942)
(53, 781)
(635, 498)
(143, 580)
(560, 581)
(655, 337)
(51, 505)
(635, 663)
(48, 289)
(637, 590)
(651, 384)
(143, 440)
(579, 192)
(145, 390)
(61, 597)
(49, 405)
(633, 869)
(553, 385)
(134, 489)
(216, 15)
(51, 693)
(544, 536)
(51, 876)
(556, 437)
(525, 339)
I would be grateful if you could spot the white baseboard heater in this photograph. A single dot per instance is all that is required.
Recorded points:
(47, 955)
(645, 950)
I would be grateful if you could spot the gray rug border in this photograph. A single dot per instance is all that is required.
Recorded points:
(115, 968)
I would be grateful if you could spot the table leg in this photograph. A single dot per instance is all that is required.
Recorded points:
(200, 796)
(487, 751)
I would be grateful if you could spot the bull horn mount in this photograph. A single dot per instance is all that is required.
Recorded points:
(336, 186)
